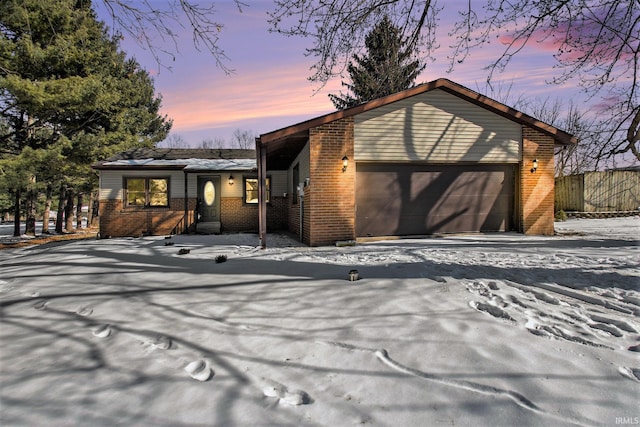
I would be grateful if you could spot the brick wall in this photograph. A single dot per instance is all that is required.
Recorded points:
(277, 213)
(294, 216)
(236, 216)
(117, 222)
(536, 188)
(329, 210)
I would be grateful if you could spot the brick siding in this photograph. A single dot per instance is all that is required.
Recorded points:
(536, 188)
(294, 216)
(234, 215)
(329, 210)
(118, 222)
(277, 213)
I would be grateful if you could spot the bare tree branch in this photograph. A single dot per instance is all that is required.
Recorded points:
(338, 27)
(155, 24)
(596, 43)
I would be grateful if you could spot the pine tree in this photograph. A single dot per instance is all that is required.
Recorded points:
(70, 97)
(387, 67)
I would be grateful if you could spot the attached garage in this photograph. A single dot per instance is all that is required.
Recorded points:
(435, 158)
(406, 199)
(434, 163)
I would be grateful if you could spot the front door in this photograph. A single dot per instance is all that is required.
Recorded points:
(209, 198)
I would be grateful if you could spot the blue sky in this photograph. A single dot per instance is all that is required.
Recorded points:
(269, 88)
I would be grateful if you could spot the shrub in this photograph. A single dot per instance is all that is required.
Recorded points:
(561, 216)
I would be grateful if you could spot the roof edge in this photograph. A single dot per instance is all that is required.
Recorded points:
(561, 137)
(103, 166)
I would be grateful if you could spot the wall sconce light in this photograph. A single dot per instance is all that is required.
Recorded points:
(535, 166)
(230, 179)
(345, 163)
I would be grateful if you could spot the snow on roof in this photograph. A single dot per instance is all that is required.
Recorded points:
(189, 164)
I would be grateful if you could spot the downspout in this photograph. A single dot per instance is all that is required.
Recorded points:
(301, 210)
(185, 219)
(261, 157)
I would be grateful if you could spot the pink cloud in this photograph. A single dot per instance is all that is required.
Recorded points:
(206, 101)
(571, 40)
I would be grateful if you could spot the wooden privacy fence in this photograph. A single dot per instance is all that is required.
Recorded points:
(611, 191)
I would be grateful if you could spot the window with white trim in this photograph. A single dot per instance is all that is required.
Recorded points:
(146, 191)
(251, 190)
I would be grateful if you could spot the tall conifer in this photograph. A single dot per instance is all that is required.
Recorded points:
(386, 67)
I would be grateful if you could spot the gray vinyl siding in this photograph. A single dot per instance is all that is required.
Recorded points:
(305, 167)
(278, 183)
(111, 182)
(226, 190)
(436, 127)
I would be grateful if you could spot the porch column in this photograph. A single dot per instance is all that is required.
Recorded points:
(185, 218)
(261, 157)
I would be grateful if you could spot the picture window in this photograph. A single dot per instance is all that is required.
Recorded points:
(146, 191)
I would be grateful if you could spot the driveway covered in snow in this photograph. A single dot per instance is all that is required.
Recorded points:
(499, 329)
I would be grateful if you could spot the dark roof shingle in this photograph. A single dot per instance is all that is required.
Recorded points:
(183, 153)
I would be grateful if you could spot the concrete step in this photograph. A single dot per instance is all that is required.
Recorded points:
(208, 227)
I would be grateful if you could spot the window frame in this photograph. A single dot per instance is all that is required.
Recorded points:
(244, 189)
(147, 191)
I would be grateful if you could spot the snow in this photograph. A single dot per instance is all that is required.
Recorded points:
(495, 330)
(189, 164)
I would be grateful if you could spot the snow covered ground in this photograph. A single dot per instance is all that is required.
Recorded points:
(495, 330)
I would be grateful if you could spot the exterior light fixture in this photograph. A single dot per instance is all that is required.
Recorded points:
(230, 179)
(345, 163)
(535, 166)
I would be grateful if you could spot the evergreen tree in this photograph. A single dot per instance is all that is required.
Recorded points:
(68, 96)
(387, 67)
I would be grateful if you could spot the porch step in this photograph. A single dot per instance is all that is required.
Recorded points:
(208, 227)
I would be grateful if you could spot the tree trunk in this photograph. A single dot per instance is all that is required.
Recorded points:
(68, 211)
(92, 214)
(30, 222)
(47, 210)
(16, 215)
(79, 211)
(61, 209)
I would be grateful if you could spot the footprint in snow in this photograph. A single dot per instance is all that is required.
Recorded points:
(41, 305)
(493, 310)
(620, 324)
(279, 391)
(610, 329)
(161, 342)
(199, 370)
(631, 373)
(84, 311)
(102, 331)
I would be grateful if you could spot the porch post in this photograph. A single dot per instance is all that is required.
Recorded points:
(185, 218)
(261, 157)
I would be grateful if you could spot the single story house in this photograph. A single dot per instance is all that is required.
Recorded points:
(161, 191)
(436, 158)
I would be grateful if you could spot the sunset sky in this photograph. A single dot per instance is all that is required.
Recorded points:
(269, 88)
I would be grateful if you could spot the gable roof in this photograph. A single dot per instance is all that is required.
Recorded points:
(181, 159)
(297, 133)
